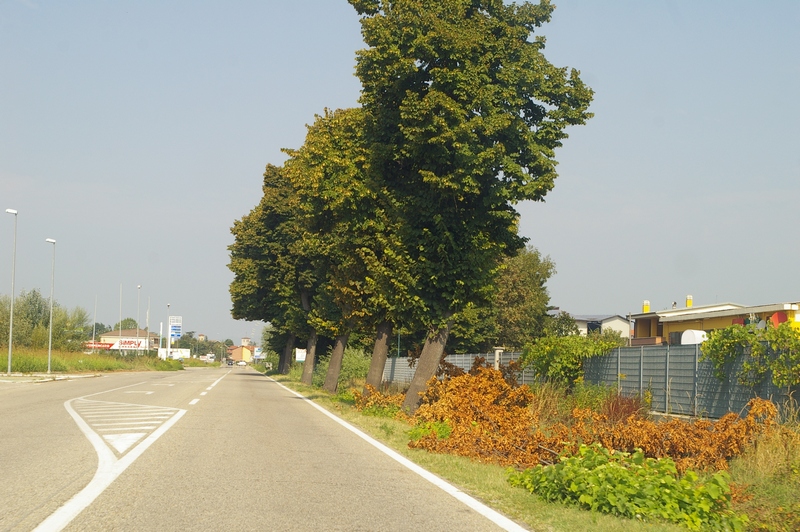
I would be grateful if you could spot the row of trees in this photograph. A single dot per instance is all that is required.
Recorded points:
(399, 214)
(71, 327)
(32, 322)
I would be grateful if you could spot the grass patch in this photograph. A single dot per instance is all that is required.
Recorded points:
(768, 475)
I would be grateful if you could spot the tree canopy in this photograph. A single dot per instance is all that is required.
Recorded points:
(463, 116)
(402, 212)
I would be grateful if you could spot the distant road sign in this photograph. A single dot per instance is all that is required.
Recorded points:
(175, 326)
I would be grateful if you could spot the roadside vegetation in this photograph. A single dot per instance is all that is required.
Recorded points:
(584, 457)
(29, 360)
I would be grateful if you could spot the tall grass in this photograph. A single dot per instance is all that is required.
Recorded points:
(35, 361)
(553, 402)
(769, 475)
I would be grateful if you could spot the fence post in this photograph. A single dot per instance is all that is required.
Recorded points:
(696, 347)
(619, 371)
(641, 371)
(666, 385)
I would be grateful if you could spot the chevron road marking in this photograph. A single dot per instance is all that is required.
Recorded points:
(119, 433)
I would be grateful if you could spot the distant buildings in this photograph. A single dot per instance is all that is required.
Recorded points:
(668, 326)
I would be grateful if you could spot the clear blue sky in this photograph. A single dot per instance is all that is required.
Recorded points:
(135, 133)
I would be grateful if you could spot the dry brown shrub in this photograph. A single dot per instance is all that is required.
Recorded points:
(374, 399)
(490, 420)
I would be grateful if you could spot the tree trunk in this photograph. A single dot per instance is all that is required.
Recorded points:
(285, 362)
(311, 352)
(335, 365)
(427, 365)
(379, 353)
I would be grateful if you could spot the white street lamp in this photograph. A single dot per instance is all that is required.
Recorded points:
(138, 290)
(169, 333)
(119, 350)
(52, 285)
(13, 267)
(147, 321)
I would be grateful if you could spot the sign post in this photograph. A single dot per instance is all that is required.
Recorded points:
(175, 330)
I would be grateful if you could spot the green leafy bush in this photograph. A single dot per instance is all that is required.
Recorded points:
(560, 358)
(775, 349)
(355, 365)
(630, 485)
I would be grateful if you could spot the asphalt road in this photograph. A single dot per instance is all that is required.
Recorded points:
(204, 449)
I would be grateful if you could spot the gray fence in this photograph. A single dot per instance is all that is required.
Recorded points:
(397, 370)
(675, 378)
(677, 381)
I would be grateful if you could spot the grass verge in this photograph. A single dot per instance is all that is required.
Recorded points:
(35, 361)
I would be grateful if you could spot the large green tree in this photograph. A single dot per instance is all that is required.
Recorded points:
(463, 116)
(345, 214)
(273, 278)
(517, 312)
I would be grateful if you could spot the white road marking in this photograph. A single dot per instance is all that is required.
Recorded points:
(144, 392)
(217, 381)
(122, 442)
(109, 467)
(496, 517)
(194, 401)
(203, 393)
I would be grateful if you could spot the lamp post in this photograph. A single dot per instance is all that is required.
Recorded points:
(138, 290)
(169, 333)
(52, 285)
(119, 345)
(94, 323)
(13, 268)
(147, 321)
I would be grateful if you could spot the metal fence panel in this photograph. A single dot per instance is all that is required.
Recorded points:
(673, 377)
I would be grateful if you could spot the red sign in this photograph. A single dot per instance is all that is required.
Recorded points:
(97, 345)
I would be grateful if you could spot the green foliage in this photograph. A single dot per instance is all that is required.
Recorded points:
(522, 299)
(269, 276)
(632, 486)
(168, 365)
(516, 313)
(387, 411)
(127, 323)
(560, 358)
(440, 429)
(355, 365)
(562, 324)
(353, 238)
(32, 323)
(26, 360)
(463, 114)
(775, 349)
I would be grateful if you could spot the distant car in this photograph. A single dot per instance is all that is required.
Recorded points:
(230, 362)
(241, 363)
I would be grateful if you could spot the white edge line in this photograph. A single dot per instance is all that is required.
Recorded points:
(108, 469)
(493, 515)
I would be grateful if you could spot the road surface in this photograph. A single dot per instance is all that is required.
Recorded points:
(204, 449)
